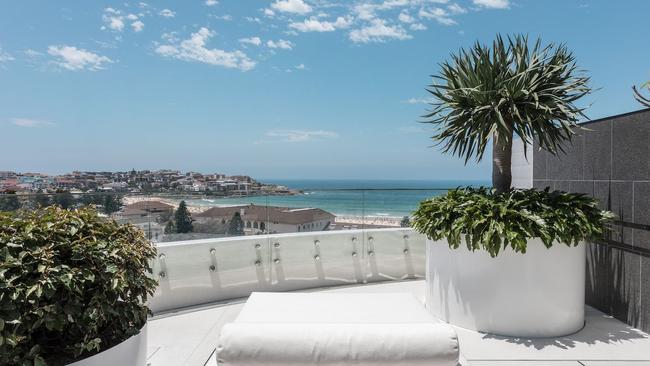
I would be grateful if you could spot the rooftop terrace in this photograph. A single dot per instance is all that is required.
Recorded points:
(199, 294)
(189, 337)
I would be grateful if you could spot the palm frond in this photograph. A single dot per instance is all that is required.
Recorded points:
(639, 97)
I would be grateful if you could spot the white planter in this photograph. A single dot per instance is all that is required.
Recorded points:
(537, 294)
(132, 352)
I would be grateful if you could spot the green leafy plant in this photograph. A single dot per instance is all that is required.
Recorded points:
(71, 284)
(494, 221)
(492, 93)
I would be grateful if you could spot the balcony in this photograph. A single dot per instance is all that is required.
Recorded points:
(206, 276)
(204, 284)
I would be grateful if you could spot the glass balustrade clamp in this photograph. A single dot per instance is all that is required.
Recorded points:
(276, 260)
(162, 274)
(213, 251)
(212, 268)
(258, 262)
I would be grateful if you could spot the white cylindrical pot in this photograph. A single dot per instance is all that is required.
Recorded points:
(131, 352)
(537, 294)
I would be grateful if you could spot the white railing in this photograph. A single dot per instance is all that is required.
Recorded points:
(203, 271)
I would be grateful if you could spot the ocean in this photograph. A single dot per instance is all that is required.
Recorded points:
(367, 198)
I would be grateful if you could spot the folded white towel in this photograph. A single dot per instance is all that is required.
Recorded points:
(250, 344)
(333, 329)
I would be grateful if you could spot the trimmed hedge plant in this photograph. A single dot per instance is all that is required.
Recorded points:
(494, 221)
(71, 284)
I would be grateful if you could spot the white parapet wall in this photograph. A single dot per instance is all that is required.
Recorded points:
(522, 165)
(203, 271)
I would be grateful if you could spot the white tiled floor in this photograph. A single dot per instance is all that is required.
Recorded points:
(189, 337)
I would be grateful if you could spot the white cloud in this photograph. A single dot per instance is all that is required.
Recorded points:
(314, 25)
(417, 27)
(300, 67)
(73, 58)
(437, 14)
(269, 12)
(4, 56)
(291, 6)
(132, 17)
(28, 122)
(211, 2)
(32, 53)
(365, 11)
(299, 135)
(419, 101)
(281, 44)
(378, 31)
(492, 4)
(405, 17)
(137, 26)
(256, 41)
(456, 9)
(167, 13)
(194, 49)
(222, 17)
(113, 19)
(115, 23)
(253, 19)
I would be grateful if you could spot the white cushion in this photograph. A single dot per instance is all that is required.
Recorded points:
(336, 329)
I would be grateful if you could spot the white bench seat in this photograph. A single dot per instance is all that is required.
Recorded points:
(336, 329)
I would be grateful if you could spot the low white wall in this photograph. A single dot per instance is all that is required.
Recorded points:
(537, 294)
(203, 271)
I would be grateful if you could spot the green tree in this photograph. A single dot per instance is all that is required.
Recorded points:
(64, 199)
(111, 203)
(642, 99)
(88, 199)
(9, 201)
(41, 200)
(405, 222)
(169, 228)
(492, 93)
(236, 226)
(182, 218)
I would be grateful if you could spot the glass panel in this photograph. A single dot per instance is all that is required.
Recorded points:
(315, 260)
(394, 254)
(203, 271)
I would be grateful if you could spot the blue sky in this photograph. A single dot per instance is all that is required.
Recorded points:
(274, 89)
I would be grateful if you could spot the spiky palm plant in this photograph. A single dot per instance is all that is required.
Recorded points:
(513, 87)
(637, 95)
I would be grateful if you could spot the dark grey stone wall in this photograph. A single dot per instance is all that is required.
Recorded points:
(610, 160)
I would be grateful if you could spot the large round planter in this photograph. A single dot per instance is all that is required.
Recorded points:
(132, 352)
(537, 294)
